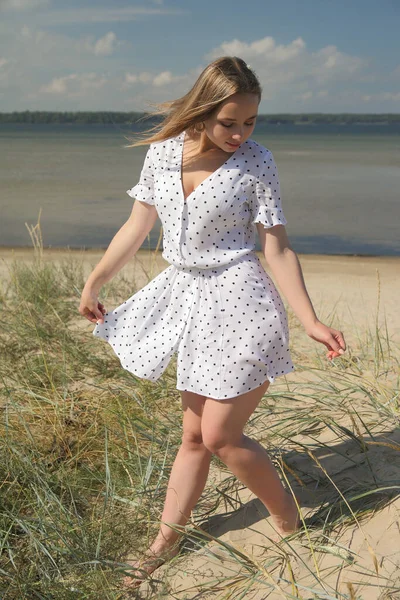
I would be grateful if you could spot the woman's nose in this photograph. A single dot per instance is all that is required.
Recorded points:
(238, 135)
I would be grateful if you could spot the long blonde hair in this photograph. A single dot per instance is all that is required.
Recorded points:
(218, 81)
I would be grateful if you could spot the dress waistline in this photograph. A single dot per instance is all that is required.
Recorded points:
(215, 269)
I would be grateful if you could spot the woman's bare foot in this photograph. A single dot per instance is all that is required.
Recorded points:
(291, 522)
(153, 558)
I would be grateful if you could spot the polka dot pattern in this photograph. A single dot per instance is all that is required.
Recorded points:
(214, 306)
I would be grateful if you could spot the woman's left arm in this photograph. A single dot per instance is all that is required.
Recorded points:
(287, 272)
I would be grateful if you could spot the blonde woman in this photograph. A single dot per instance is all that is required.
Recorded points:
(214, 189)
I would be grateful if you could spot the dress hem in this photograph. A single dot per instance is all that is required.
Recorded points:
(271, 379)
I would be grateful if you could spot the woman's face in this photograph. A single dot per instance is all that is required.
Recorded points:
(233, 122)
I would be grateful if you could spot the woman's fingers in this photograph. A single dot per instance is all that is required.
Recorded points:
(334, 353)
(336, 345)
(331, 338)
(338, 335)
(91, 308)
(336, 342)
(102, 310)
(92, 316)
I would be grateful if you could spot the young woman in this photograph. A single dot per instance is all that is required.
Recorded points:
(213, 188)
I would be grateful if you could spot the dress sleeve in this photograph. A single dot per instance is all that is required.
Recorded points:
(144, 189)
(265, 198)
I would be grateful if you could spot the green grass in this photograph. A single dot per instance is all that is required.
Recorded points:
(86, 451)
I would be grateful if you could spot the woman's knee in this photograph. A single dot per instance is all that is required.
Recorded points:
(222, 423)
(192, 405)
(215, 440)
(192, 438)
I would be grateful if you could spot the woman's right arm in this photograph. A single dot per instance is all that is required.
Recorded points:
(121, 249)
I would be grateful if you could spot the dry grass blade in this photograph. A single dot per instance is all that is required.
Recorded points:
(86, 450)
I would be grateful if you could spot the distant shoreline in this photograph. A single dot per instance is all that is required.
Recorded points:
(146, 120)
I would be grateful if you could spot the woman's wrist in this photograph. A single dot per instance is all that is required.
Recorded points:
(310, 324)
(93, 285)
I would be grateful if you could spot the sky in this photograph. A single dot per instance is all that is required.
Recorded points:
(328, 56)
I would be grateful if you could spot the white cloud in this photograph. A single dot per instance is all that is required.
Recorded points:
(330, 64)
(305, 96)
(58, 85)
(163, 78)
(167, 78)
(264, 48)
(22, 5)
(5, 70)
(130, 78)
(42, 70)
(75, 84)
(105, 45)
(356, 99)
(279, 64)
(86, 14)
(382, 96)
(43, 49)
(145, 77)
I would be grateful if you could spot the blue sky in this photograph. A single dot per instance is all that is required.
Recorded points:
(310, 55)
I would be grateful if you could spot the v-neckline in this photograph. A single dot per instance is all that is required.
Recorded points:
(182, 136)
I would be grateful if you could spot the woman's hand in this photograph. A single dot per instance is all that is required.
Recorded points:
(90, 307)
(332, 338)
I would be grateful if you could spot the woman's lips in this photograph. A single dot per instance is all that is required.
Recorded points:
(233, 145)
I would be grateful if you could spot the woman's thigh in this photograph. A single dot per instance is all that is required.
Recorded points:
(222, 421)
(192, 406)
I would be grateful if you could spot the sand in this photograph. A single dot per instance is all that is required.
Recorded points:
(349, 293)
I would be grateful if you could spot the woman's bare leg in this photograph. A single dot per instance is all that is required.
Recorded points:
(222, 430)
(212, 426)
(187, 480)
(189, 472)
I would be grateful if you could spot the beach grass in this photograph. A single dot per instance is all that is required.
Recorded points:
(86, 451)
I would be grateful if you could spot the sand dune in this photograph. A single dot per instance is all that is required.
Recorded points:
(352, 294)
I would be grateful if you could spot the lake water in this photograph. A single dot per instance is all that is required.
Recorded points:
(340, 185)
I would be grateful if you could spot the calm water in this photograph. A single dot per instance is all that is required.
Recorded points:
(340, 185)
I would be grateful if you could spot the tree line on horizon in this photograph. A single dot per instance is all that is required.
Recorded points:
(145, 120)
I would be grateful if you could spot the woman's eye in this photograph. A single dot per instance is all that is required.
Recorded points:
(230, 124)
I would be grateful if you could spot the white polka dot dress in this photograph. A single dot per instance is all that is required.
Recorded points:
(214, 306)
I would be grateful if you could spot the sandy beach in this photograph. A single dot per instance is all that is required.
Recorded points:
(353, 294)
(351, 290)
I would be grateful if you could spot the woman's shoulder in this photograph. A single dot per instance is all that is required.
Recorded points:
(255, 149)
(253, 157)
(164, 146)
(165, 150)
